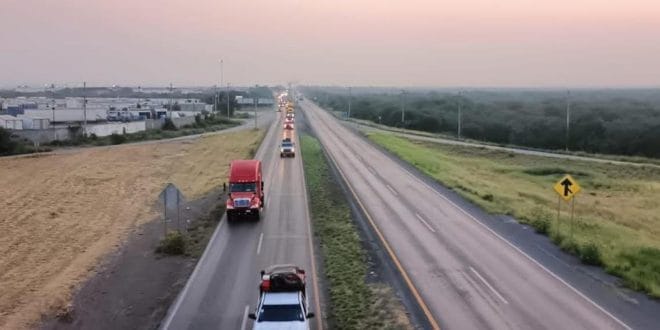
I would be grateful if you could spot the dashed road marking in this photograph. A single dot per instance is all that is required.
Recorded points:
(392, 190)
(424, 222)
(483, 280)
(261, 239)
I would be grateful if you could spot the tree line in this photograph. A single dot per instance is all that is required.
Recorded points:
(623, 122)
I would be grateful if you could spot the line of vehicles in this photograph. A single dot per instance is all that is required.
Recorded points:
(282, 302)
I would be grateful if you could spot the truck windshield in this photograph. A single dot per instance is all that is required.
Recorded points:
(287, 145)
(280, 313)
(243, 187)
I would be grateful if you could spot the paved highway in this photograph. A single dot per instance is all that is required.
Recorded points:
(463, 274)
(222, 290)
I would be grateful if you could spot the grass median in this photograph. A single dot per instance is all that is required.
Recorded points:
(617, 217)
(354, 303)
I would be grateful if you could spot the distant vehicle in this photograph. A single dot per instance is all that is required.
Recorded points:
(290, 115)
(289, 120)
(287, 149)
(246, 190)
(288, 125)
(282, 299)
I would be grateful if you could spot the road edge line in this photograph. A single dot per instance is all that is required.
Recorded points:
(395, 259)
(177, 303)
(317, 301)
(551, 273)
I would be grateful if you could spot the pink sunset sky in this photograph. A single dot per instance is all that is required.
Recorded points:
(533, 43)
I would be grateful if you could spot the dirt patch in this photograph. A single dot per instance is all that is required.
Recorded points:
(62, 213)
(135, 286)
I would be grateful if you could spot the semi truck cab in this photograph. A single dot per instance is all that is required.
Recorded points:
(246, 190)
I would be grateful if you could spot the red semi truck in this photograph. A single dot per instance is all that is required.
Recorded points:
(246, 190)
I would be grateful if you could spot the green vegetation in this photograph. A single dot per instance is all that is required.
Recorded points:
(168, 125)
(10, 146)
(621, 122)
(202, 229)
(174, 243)
(206, 124)
(617, 216)
(354, 304)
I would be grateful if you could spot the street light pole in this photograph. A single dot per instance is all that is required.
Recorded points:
(85, 108)
(568, 116)
(403, 106)
(227, 100)
(459, 116)
(221, 82)
(350, 96)
(170, 100)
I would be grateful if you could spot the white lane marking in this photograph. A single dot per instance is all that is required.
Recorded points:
(184, 293)
(483, 280)
(317, 303)
(578, 292)
(371, 169)
(245, 317)
(261, 239)
(202, 260)
(555, 276)
(392, 190)
(424, 222)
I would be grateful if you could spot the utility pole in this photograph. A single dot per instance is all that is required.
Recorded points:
(222, 76)
(568, 116)
(459, 116)
(350, 96)
(85, 108)
(171, 92)
(227, 100)
(403, 106)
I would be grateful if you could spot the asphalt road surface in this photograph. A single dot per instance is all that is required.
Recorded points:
(223, 289)
(463, 274)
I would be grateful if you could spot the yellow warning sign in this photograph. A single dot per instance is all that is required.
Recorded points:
(567, 187)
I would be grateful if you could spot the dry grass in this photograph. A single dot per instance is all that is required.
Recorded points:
(617, 213)
(61, 213)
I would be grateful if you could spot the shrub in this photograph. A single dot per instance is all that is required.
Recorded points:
(590, 254)
(173, 244)
(7, 146)
(117, 138)
(540, 220)
(570, 246)
(168, 125)
(488, 197)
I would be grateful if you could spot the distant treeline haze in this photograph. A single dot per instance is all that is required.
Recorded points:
(623, 122)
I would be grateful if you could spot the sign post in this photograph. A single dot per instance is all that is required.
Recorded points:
(567, 188)
(171, 198)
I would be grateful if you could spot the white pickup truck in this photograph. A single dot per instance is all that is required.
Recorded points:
(282, 299)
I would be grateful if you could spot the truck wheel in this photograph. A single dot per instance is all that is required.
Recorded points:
(230, 218)
(257, 215)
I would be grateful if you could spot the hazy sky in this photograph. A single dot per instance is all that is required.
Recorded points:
(342, 42)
